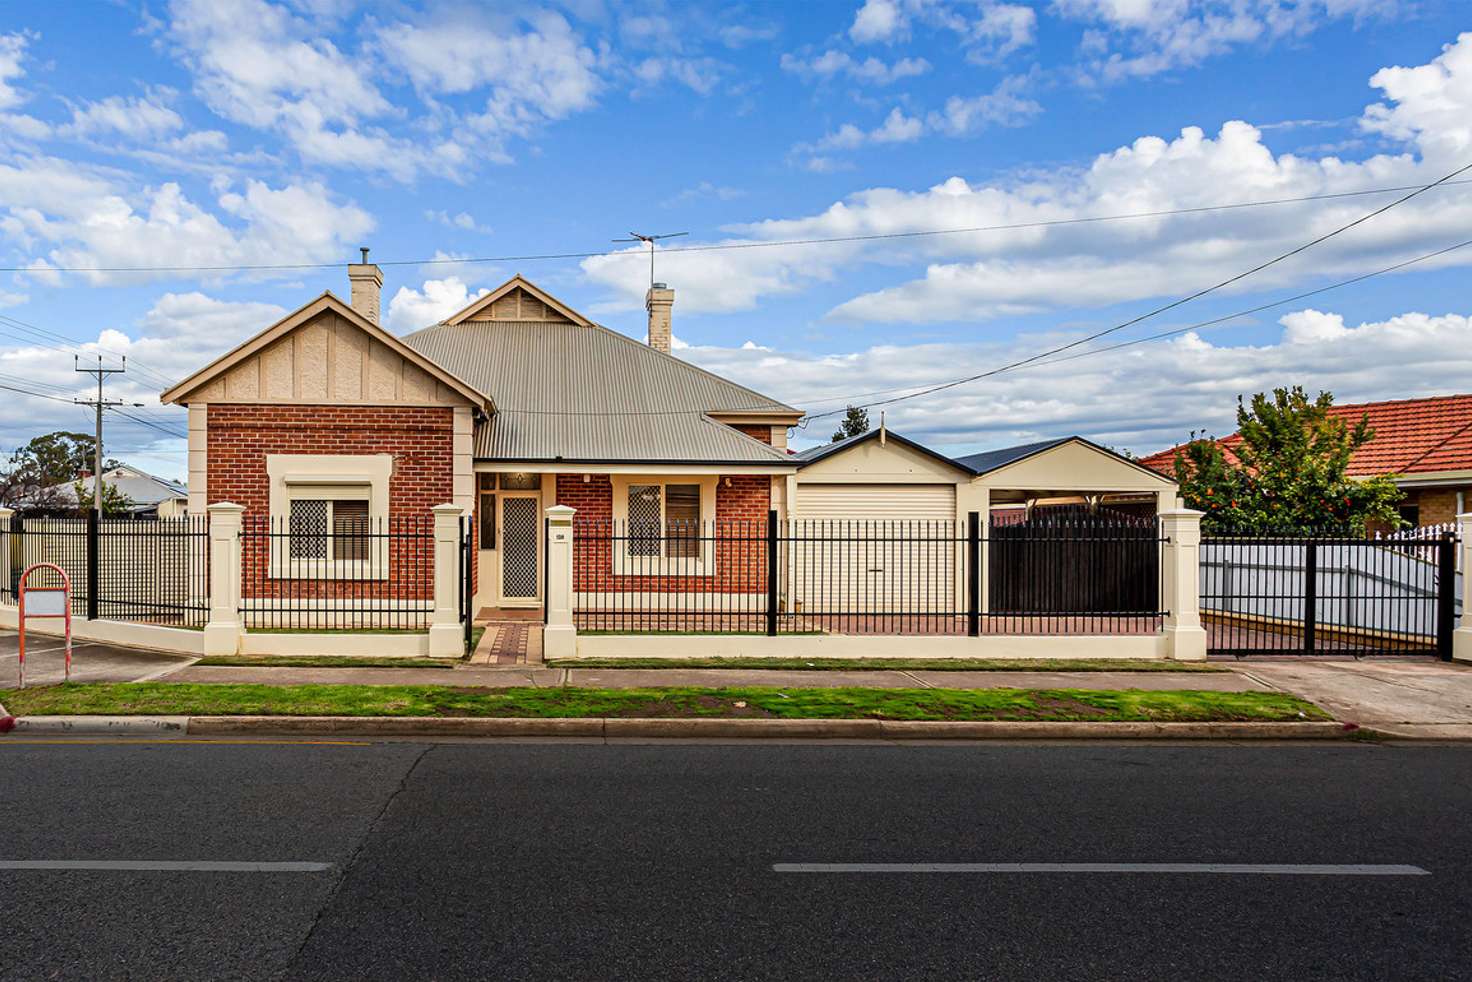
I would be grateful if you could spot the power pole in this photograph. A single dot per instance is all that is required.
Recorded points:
(99, 404)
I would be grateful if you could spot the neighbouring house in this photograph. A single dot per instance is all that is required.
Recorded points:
(1425, 443)
(149, 496)
(513, 404)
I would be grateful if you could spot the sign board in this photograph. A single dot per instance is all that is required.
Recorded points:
(45, 602)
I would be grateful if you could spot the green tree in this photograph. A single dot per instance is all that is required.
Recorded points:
(1290, 472)
(855, 421)
(35, 472)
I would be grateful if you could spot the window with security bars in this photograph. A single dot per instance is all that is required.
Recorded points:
(307, 525)
(644, 519)
(682, 521)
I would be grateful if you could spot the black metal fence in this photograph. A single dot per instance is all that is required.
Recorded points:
(362, 574)
(1301, 593)
(153, 571)
(907, 577)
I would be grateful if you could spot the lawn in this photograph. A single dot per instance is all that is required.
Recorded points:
(902, 664)
(180, 699)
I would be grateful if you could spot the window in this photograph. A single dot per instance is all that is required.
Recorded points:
(666, 515)
(521, 482)
(487, 482)
(1411, 515)
(335, 529)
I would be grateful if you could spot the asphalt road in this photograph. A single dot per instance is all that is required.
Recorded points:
(560, 860)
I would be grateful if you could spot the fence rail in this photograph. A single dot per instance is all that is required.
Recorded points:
(365, 574)
(153, 571)
(1055, 575)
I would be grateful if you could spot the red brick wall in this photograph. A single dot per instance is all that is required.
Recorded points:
(420, 438)
(1438, 505)
(741, 514)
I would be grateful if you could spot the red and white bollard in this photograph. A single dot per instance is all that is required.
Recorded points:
(44, 602)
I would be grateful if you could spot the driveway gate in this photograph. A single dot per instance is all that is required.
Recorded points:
(1325, 595)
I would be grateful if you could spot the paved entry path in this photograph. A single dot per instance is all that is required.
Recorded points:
(1417, 697)
(91, 661)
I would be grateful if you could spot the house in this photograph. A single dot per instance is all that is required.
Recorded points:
(510, 405)
(1425, 443)
(149, 496)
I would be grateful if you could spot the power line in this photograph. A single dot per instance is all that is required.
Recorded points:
(1158, 310)
(73, 345)
(162, 429)
(765, 244)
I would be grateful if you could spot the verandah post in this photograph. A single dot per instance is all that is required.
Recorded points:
(222, 631)
(446, 636)
(1462, 636)
(1181, 585)
(559, 636)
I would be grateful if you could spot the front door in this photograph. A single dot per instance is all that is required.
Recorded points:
(521, 549)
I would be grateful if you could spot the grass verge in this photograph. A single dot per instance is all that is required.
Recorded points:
(164, 698)
(901, 664)
(324, 661)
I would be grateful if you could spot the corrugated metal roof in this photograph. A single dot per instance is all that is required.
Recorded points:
(141, 488)
(566, 392)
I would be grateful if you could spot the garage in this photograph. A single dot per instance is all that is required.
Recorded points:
(876, 527)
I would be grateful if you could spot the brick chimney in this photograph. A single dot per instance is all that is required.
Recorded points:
(658, 302)
(367, 283)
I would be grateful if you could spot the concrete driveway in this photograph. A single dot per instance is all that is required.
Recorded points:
(1405, 696)
(91, 662)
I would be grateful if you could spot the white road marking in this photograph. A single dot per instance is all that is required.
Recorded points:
(160, 866)
(1269, 869)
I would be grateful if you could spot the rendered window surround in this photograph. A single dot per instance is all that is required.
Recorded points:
(703, 564)
(340, 477)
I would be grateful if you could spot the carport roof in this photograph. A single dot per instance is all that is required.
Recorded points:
(814, 454)
(990, 460)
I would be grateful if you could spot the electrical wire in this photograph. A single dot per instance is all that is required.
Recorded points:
(764, 244)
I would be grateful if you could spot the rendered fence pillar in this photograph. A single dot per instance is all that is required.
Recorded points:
(559, 636)
(1462, 636)
(1180, 580)
(222, 631)
(446, 636)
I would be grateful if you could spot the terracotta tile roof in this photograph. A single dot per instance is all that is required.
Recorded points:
(1412, 436)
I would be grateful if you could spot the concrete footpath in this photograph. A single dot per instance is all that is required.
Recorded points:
(1403, 697)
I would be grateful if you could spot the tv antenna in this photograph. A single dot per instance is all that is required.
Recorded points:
(650, 240)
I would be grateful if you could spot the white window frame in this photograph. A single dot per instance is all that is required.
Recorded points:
(703, 564)
(355, 477)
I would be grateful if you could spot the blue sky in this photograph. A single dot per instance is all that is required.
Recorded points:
(238, 134)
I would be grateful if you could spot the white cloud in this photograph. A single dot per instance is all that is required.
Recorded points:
(1005, 105)
(705, 189)
(832, 63)
(437, 299)
(12, 54)
(82, 218)
(462, 220)
(1162, 35)
(531, 73)
(878, 20)
(133, 117)
(700, 75)
(986, 28)
(1431, 105)
(1191, 382)
(740, 35)
(257, 64)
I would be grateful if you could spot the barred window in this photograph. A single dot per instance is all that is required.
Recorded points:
(644, 519)
(322, 528)
(307, 528)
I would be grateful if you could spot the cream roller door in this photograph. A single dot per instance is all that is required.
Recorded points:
(875, 549)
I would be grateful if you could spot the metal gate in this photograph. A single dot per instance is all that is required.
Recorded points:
(1326, 595)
